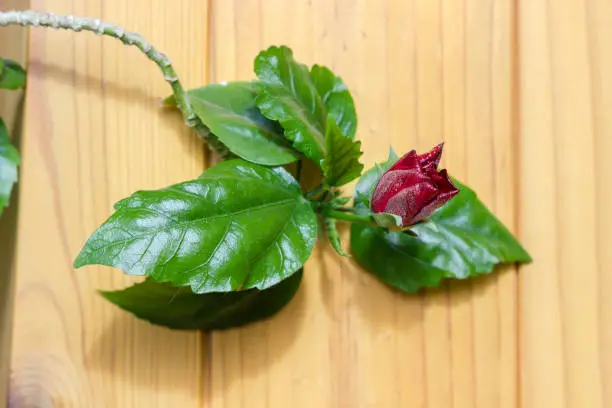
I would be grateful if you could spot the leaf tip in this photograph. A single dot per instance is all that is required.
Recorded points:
(525, 257)
(79, 262)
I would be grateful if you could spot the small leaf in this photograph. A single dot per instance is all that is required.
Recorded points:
(392, 156)
(387, 220)
(288, 95)
(334, 237)
(341, 163)
(179, 308)
(337, 99)
(12, 76)
(369, 179)
(239, 226)
(9, 160)
(460, 240)
(230, 112)
(339, 201)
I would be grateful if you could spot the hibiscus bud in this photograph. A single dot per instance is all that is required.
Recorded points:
(412, 189)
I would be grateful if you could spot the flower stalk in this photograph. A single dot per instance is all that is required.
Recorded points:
(350, 217)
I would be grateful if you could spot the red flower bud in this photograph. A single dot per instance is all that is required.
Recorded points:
(413, 188)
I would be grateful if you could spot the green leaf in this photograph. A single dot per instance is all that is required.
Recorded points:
(230, 112)
(460, 240)
(339, 201)
(179, 308)
(9, 160)
(334, 237)
(12, 76)
(239, 226)
(397, 258)
(341, 163)
(337, 99)
(472, 238)
(392, 156)
(288, 95)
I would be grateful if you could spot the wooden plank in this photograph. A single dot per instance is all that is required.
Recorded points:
(420, 71)
(12, 45)
(94, 133)
(565, 144)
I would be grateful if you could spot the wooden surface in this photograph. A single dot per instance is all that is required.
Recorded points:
(565, 197)
(94, 132)
(521, 92)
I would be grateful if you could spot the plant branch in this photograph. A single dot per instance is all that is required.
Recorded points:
(76, 24)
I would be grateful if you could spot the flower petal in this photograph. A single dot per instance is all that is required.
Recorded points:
(444, 183)
(409, 161)
(446, 191)
(431, 159)
(408, 202)
(392, 182)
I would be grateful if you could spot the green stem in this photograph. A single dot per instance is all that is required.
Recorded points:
(76, 24)
(344, 216)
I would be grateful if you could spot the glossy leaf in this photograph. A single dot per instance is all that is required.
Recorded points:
(288, 95)
(472, 240)
(394, 257)
(337, 99)
(9, 160)
(460, 240)
(341, 163)
(239, 226)
(179, 308)
(12, 76)
(230, 112)
(333, 236)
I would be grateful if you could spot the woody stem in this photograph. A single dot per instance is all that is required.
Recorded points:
(76, 24)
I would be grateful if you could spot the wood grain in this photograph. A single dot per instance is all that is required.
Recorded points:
(94, 133)
(520, 91)
(421, 71)
(565, 144)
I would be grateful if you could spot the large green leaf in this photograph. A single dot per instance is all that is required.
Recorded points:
(230, 112)
(12, 76)
(341, 163)
(460, 240)
(337, 99)
(9, 160)
(398, 259)
(288, 95)
(179, 308)
(239, 226)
